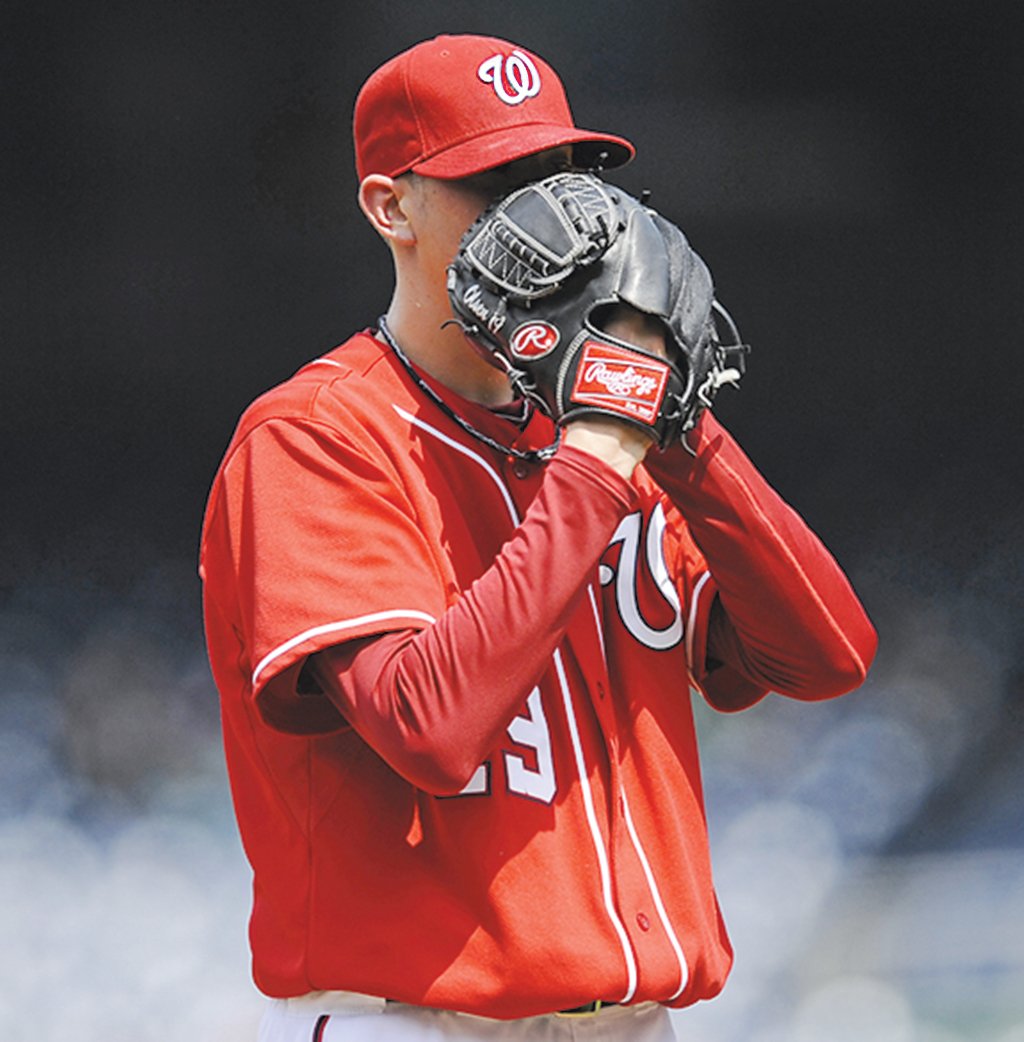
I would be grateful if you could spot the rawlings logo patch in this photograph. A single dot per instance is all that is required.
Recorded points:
(620, 381)
(533, 340)
(514, 78)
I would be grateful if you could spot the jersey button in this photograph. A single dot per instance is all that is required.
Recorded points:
(642, 921)
(520, 469)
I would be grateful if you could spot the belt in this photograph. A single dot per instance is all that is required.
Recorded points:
(586, 1010)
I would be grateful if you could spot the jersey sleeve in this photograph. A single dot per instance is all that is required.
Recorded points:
(785, 617)
(310, 541)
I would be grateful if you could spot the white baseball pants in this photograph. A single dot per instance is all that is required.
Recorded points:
(333, 1016)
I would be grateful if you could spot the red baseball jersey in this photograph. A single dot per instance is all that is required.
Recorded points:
(574, 865)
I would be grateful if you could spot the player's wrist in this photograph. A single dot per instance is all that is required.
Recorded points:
(620, 445)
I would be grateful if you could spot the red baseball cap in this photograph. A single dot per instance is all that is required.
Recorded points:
(458, 105)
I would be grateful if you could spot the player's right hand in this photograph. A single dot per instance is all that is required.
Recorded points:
(621, 445)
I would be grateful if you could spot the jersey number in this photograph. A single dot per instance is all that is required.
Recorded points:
(533, 777)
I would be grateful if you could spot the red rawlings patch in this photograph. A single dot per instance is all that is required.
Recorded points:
(533, 339)
(619, 381)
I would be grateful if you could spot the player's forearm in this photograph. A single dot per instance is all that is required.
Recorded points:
(434, 704)
(799, 626)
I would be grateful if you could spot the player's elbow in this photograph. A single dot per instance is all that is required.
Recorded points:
(838, 667)
(850, 669)
(429, 748)
(835, 679)
(438, 768)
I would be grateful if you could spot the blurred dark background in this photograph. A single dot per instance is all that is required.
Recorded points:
(180, 232)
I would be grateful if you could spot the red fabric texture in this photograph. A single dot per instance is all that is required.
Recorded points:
(523, 635)
(416, 697)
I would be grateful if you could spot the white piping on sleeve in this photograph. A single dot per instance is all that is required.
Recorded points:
(337, 627)
(340, 627)
(659, 904)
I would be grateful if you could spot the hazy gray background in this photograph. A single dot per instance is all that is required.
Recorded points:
(179, 233)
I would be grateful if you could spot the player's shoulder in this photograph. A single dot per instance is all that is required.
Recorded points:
(323, 391)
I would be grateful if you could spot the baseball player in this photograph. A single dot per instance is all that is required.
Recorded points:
(454, 604)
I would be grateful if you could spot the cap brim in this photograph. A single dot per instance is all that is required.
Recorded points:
(487, 151)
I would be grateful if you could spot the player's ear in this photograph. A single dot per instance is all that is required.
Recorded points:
(382, 201)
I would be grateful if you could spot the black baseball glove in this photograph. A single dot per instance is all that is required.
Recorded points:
(538, 270)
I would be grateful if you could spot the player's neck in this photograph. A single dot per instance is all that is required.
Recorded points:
(443, 351)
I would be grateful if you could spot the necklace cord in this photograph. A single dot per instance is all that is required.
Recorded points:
(528, 455)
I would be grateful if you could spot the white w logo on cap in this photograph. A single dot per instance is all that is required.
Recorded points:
(514, 78)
